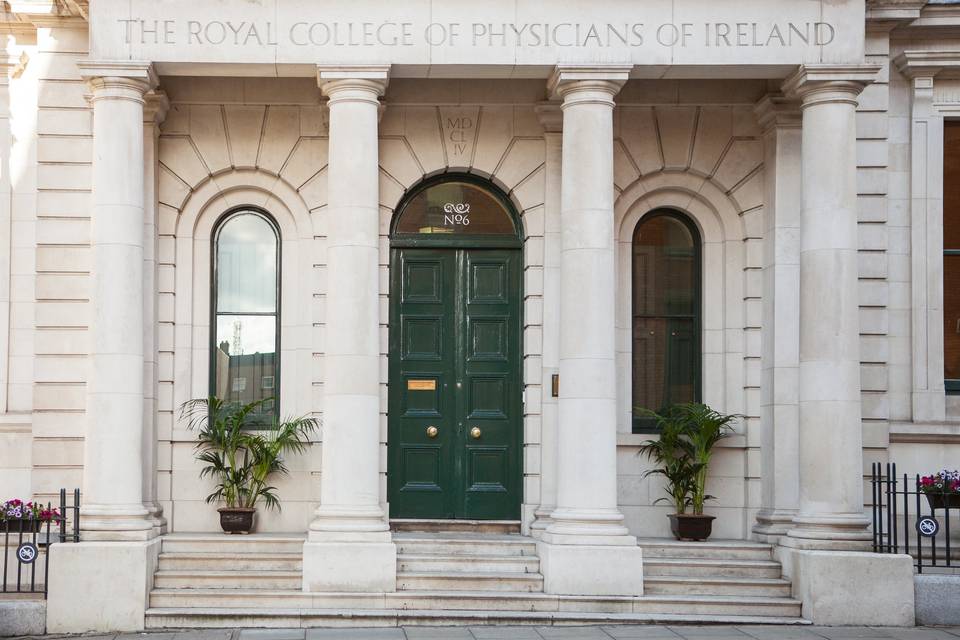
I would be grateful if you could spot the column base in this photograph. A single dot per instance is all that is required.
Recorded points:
(100, 586)
(833, 532)
(116, 523)
(843, 588)
(543, 519)
(591, 570)
(352, 562)
(773, 525)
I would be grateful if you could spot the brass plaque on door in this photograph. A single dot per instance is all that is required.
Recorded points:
(421, 385)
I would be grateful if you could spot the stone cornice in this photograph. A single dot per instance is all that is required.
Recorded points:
(775, 110)
(840, 79)
(884, 15)
(914, 64)
(550, 116)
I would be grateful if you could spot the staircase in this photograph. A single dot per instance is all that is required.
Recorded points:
(457, 577)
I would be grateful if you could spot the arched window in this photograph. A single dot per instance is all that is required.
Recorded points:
(245, 345)
(666, 313)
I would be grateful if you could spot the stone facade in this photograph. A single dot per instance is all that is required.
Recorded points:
(804, 139)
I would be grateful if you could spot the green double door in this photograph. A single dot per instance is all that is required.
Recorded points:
(455, 396)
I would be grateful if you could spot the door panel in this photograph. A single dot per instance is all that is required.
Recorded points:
(491, 371)
(455, 360)
(421, 375)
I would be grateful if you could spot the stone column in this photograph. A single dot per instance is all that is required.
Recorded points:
(154, 112)
(113, 447)
(779, 410)
(831, 456)
(551, 118)
(349, 543)
(587, 549)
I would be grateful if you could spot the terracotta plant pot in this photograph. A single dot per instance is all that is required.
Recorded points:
(944, 501)
(236, 519)
(690, 527)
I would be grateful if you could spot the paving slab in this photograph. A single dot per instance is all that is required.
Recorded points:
(356, 634)
(272, 634)
(505, 633)
(652, 632)
(438, 633)
(713, 631)
(573, 633)
(851, 632)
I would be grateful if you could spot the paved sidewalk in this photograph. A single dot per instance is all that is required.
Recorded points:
(624, 632)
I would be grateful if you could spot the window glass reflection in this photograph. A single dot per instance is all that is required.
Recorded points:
(666, 323)
(244, 358)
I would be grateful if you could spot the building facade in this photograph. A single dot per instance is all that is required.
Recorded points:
(474, 241)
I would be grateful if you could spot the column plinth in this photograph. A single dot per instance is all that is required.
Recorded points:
(831, 514)
(349, 543)
(113, 507)
(586, 549)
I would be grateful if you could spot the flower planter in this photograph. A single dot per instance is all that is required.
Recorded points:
(28, 526)
(236, 519)
(943, 500)
(690, 527)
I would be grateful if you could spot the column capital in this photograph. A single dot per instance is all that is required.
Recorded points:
(824, 83)
(927, 64)
(578, 83)
(776, 111)
(155, 107)
(118, 80)
(353, 82)
(550, 115)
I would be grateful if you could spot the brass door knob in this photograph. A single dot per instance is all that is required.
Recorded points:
(475, 433)
(432, 431)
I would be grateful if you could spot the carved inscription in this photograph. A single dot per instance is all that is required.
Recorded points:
(243, 33)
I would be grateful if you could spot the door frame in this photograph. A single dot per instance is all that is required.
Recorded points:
(399, 241)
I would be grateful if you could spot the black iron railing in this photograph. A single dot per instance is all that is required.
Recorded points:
(27, 542)
(908, 520)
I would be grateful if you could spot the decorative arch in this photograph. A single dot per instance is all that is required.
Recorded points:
(194, 229)
(724, 271)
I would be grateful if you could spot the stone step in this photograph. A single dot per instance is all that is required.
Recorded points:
(223, 543)
(295, 618)
(469, 581)
(426, 562)
(209, 561)
(710, 549)
(704, 586)
(456, 526)
(699, 567)
(452, 544)
(264, 600)
(228, 579)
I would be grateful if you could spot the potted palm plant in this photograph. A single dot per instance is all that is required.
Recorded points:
(682, 454)
(242, 460)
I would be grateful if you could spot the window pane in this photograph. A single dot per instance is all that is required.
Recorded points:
(951, 185)
(665, 362)
(664, 268)
(455, 208)
(247, 265)
(246, 360)
(951, 317)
